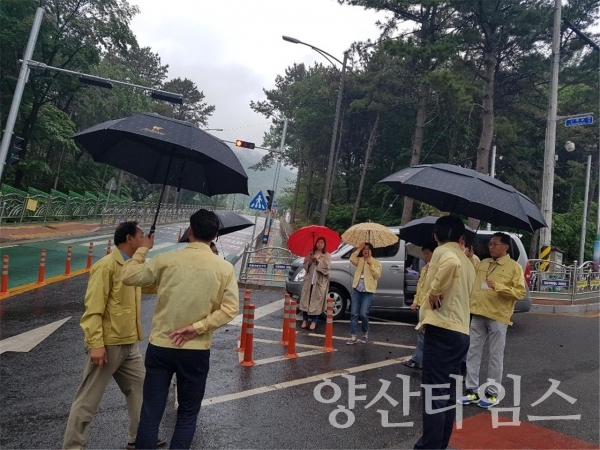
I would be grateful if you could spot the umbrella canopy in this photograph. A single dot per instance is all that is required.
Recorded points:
(166, 151)
(420, 231)
(302, 241)
(458, 190)
(374, 233)
(230, 222)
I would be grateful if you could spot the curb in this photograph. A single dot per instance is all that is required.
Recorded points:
(31, 286)
(580, 310)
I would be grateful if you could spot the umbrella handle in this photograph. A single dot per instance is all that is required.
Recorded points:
(162, 192)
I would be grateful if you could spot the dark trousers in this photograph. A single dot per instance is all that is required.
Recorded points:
(442, 353)
(191, 368)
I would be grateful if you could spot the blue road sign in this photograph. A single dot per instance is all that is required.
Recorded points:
(259, 202)
(579, 121)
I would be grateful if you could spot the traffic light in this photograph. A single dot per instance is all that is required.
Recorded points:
(16, 146)
(270, 195)
(245, 144)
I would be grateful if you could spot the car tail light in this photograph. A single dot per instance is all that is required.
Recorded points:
(527, 273)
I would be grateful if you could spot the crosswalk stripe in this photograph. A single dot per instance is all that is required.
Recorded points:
(72, 241)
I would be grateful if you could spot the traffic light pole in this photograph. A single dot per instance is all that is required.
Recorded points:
(16, 101)
(276, 180)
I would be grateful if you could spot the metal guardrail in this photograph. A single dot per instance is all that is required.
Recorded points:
(28, 207)
(266, 266)
(563, 282)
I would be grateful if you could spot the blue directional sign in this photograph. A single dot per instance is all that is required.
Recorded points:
(259, 202)
(579, 121)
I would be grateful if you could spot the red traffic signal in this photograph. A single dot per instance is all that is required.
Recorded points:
(244, 144)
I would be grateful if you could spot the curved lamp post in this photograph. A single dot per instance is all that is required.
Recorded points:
(325, 202)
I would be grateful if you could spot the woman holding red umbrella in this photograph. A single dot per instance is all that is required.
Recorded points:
(313, 299)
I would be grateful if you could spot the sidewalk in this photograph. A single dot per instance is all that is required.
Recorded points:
(17, 232)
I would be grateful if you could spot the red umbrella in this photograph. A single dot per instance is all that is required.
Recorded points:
(303, 240)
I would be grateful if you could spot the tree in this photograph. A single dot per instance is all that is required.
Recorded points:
(193, 109)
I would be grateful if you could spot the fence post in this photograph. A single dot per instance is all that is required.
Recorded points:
(42, 271)
(574, 282)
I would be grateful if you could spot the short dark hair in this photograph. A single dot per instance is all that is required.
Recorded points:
(431, 246)
(504, 238)
(324, 247)
(123, 230)
(449, 229)
(204, 224)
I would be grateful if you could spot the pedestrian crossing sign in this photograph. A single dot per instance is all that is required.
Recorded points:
(259, 202)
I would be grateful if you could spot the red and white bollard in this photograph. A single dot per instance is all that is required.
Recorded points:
(4, 283)
(68, 264)
(249, 341)
(179, 236)
(291, 348)
(42, 271)
(90, 259)
(108, 247)
(329, 326)
(286, 320)
(245, 316)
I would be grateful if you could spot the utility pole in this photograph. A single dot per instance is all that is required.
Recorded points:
(585, 203)
(23, 75)
(548, 180)
(328, 177)
(276, 179)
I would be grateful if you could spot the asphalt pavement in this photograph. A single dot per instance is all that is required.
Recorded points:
(274, 404)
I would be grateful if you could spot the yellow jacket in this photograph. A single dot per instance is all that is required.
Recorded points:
(451, 275)
(372, 272)
(112, 310)
(194, 286)
(420, 295)
(474, 260)
(498, 303)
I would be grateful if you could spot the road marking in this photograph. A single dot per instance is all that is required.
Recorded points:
(163, 245)
(25, 342)
(261, 312)
(72, 241)
(387, 344)
(268, 341)
(8, 246)
(259, 362)
(96, 243)
(301, 381)
(401, 324)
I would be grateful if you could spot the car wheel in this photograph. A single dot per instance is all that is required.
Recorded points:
(339, 302)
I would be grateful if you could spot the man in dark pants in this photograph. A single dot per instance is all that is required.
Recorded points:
(445, 316)
(197, 293)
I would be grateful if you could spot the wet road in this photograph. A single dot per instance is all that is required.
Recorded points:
(272, 405)
(25, 256)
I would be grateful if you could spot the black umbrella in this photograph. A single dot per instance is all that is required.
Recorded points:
(464, 191)
(230, 222)
(168, 152)
(420, 231)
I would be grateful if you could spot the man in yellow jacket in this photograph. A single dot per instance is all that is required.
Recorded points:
(445, 316)
(197, 293)
(112, 327)
(499, 284)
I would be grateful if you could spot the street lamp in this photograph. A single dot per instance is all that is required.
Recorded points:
(338, 106)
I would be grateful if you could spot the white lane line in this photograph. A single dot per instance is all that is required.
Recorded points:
(27, 341)
(8, 246)
(387, 344)
(260, 362)
(268, 341)
(72, 241)
(301, 381)
(402, 324)
(260, 312)
(96, 243)
(163, 245)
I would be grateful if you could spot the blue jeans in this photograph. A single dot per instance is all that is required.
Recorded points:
(418, 354)
(442, 354)
(191, 367)
(308, 318)
(361, 304)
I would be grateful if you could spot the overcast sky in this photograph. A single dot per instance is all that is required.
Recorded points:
(232, 49)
